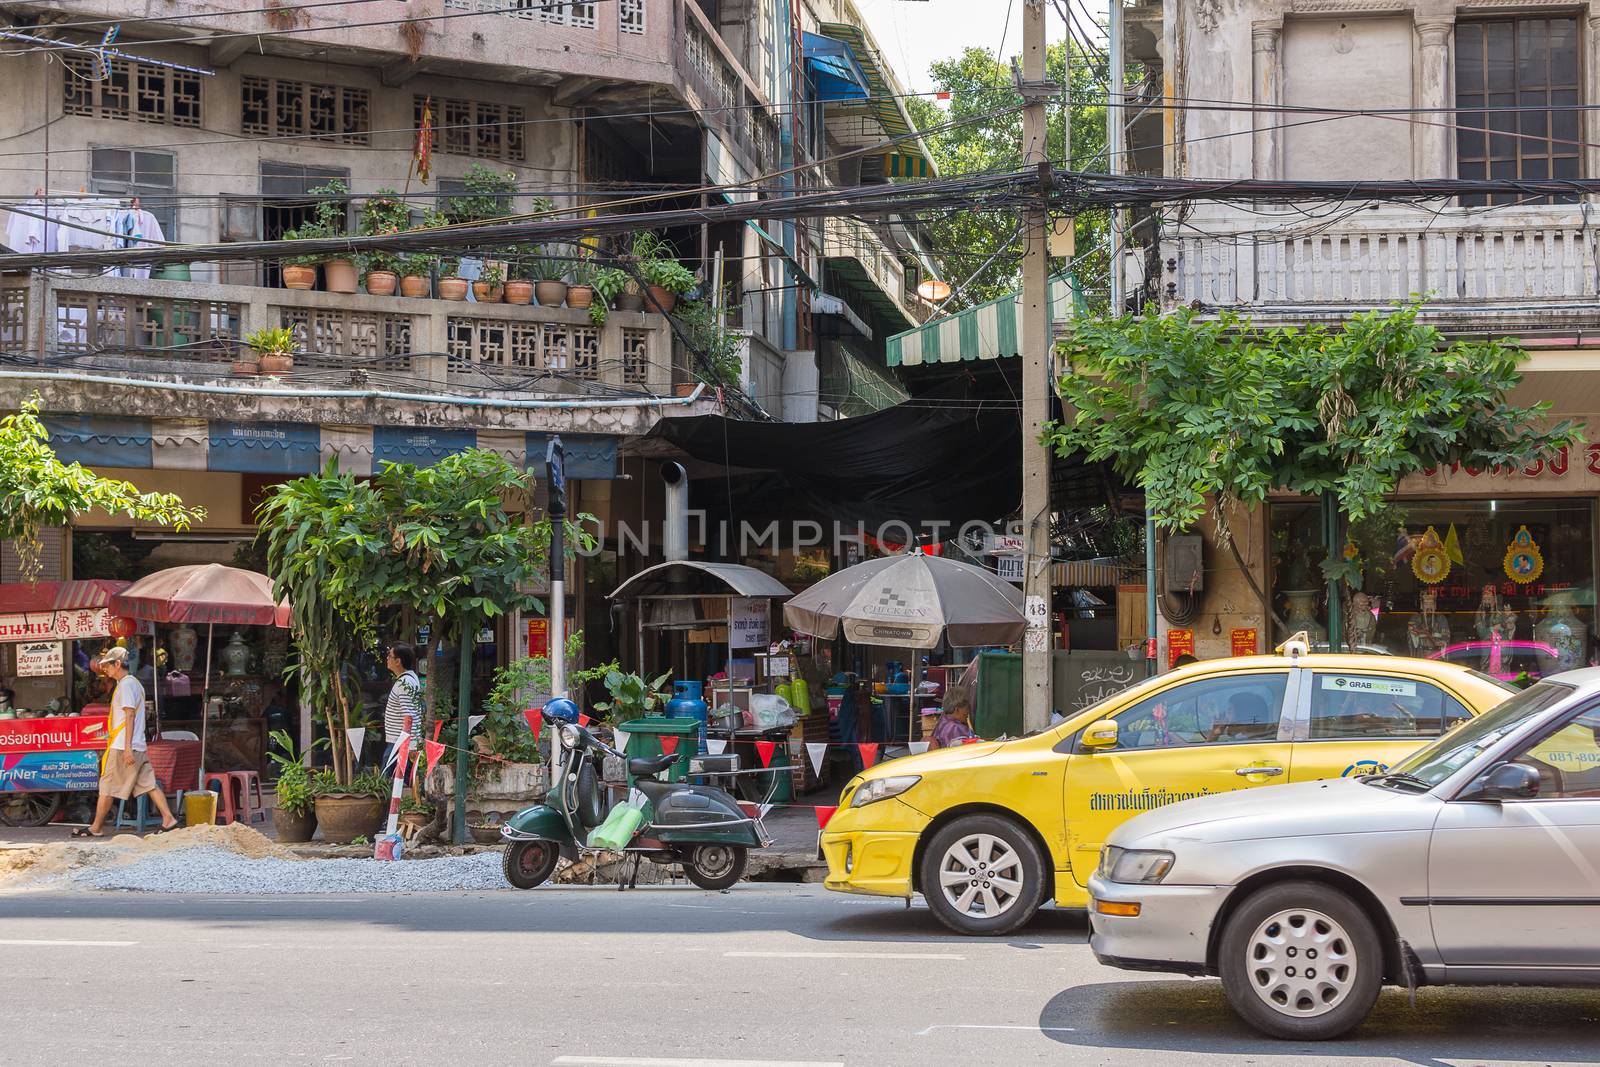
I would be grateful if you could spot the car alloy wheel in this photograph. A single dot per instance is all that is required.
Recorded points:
(981, 876)
(1301, 963)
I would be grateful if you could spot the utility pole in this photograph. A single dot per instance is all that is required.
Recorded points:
(1036, 341)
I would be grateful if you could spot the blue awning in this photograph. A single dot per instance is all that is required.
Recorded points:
(418, 445)
(833, 68)
(100, 440)
(586, 455)
(264, 447)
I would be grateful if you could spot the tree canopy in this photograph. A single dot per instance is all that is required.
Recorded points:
(1211, 412)
(38, 491)
(984, 142)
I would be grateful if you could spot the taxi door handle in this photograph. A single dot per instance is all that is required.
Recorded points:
(1269, 772)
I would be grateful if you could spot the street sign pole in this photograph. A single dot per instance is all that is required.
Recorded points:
(556, 481)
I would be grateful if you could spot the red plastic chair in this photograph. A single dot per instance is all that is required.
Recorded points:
(226, 811)
(249, 811)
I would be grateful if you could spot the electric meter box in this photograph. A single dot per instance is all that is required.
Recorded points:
(1185, 563)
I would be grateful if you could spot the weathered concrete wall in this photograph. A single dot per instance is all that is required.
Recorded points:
(1348, 63)
(1228, 601)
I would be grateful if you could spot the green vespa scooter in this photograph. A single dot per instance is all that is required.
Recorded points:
(701, 828)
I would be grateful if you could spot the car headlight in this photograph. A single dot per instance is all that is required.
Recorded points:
(1135, 866)
(882, 789)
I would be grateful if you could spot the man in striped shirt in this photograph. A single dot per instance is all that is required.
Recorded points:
(405, 698)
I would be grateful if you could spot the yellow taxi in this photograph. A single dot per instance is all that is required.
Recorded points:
(990, 832)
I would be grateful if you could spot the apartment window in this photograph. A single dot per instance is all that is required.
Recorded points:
(475, 128)
(138, 92)
(630, 15)
(150, 176)
(1523, 77)
(578, 13)
(276, 107)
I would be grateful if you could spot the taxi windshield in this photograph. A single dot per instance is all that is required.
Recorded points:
(1436, 762)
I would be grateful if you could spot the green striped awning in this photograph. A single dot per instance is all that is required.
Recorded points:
(991, 330)
(883, 104)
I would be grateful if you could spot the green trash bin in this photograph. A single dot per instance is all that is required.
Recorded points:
(644, 739)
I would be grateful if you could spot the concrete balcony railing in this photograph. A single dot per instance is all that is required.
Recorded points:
(194, 330)
(858, 247)
(1511, 257)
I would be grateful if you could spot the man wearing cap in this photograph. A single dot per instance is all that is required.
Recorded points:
(126, 772)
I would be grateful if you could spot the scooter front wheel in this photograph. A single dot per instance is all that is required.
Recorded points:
(530, 863)
(715, 866)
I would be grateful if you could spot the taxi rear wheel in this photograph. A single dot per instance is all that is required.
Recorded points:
(983, 874)
(1301, 961)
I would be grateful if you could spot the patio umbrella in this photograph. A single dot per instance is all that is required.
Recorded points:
(910, 601)
(203, 593)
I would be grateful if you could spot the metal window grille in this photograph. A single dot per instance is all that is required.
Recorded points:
(1524, 76)
(331, 337)
(131, 91)
(278, 107)
(14, 318)
(635, 356)
(472, 128)
(199, 330)
(630, 16)
(507, 344)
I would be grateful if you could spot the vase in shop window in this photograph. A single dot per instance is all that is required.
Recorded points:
(184, 640)
(1303, 615)
(236, 657)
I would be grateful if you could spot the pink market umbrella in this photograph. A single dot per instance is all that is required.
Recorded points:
(202, 593)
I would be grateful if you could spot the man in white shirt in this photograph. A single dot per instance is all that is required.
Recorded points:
(126, 772)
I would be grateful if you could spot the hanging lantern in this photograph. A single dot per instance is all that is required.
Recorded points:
(123, 627)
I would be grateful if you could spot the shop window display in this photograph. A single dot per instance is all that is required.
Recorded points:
(1503, 586)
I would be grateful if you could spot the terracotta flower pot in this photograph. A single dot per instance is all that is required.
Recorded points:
(382, 282)
(299, 277)
(343, 817)
(484, 293)
(340, 275)
(245, 368)
(627, 301)
(519, 292)
(662, 300)
(276, 363)
(551, 294)
(416, 285)
(293, 829)
(580, 296)
(452, 288)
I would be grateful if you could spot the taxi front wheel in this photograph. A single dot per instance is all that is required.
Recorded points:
(983, 875)
(1301, 961)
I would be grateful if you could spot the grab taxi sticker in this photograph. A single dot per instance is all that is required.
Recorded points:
(1358, 683)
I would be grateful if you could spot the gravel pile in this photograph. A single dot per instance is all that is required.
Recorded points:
(209, 869)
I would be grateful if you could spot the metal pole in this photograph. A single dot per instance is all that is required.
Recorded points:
(1115, 138)
(463, 729)
(1334, 544)
(1151, 664)
(1036, 702)
(205, 699)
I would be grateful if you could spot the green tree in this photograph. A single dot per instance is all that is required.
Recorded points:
(38, 491)
(983, 142)
(1214, 414)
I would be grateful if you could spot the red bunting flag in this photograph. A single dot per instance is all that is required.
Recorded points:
(583, 720)
(869, 753)
(765, 749)
(669, 744)
(402, 750)
(438, 724)
(534, 721)
(824, 813)
(750, 808)
(434, 749)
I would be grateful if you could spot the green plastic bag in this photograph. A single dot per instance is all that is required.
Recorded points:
(619, 827)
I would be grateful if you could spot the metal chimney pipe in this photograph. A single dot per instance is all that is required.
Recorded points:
(675, 532)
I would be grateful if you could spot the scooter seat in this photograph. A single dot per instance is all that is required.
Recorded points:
(650, 766)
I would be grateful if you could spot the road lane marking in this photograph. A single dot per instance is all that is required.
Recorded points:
(997, 1026)
(842, 956)
(76, 944)
(655, 1061)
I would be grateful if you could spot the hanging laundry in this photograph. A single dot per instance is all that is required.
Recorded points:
(26, 232)
(137, 228)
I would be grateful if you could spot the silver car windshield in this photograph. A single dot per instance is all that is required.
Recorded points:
(1438, 761)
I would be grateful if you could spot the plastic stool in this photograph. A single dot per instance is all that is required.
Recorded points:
(226, 812)
(141, 812)
(248, 811)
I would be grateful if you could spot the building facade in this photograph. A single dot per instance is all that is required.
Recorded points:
(1494, 568)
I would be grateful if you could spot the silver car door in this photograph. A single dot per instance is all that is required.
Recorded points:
(1517, 882)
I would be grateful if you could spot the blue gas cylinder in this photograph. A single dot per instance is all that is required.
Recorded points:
(687, 703)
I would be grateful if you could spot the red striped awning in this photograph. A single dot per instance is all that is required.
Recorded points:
(17, 597)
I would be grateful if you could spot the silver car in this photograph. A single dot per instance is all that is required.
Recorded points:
(1474, 861)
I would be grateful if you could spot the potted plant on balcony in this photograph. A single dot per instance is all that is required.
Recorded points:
(275, 347)
(608, 283)
(382, 214)
(580, 285)
(451, 285)
(519, 283)
(330, 216)
(549, 273)
(490, 285)
(416, 273)
(664, 277)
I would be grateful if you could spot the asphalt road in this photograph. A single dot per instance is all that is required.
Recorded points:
(662, 977)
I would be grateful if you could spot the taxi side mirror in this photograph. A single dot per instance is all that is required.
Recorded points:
(1101, 734)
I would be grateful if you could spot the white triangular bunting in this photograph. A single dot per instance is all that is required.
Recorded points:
(764, 809)
(918, 747)
(619, 741)
(473, 721)
(816, 750)
(716, 745)
(356, 734)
